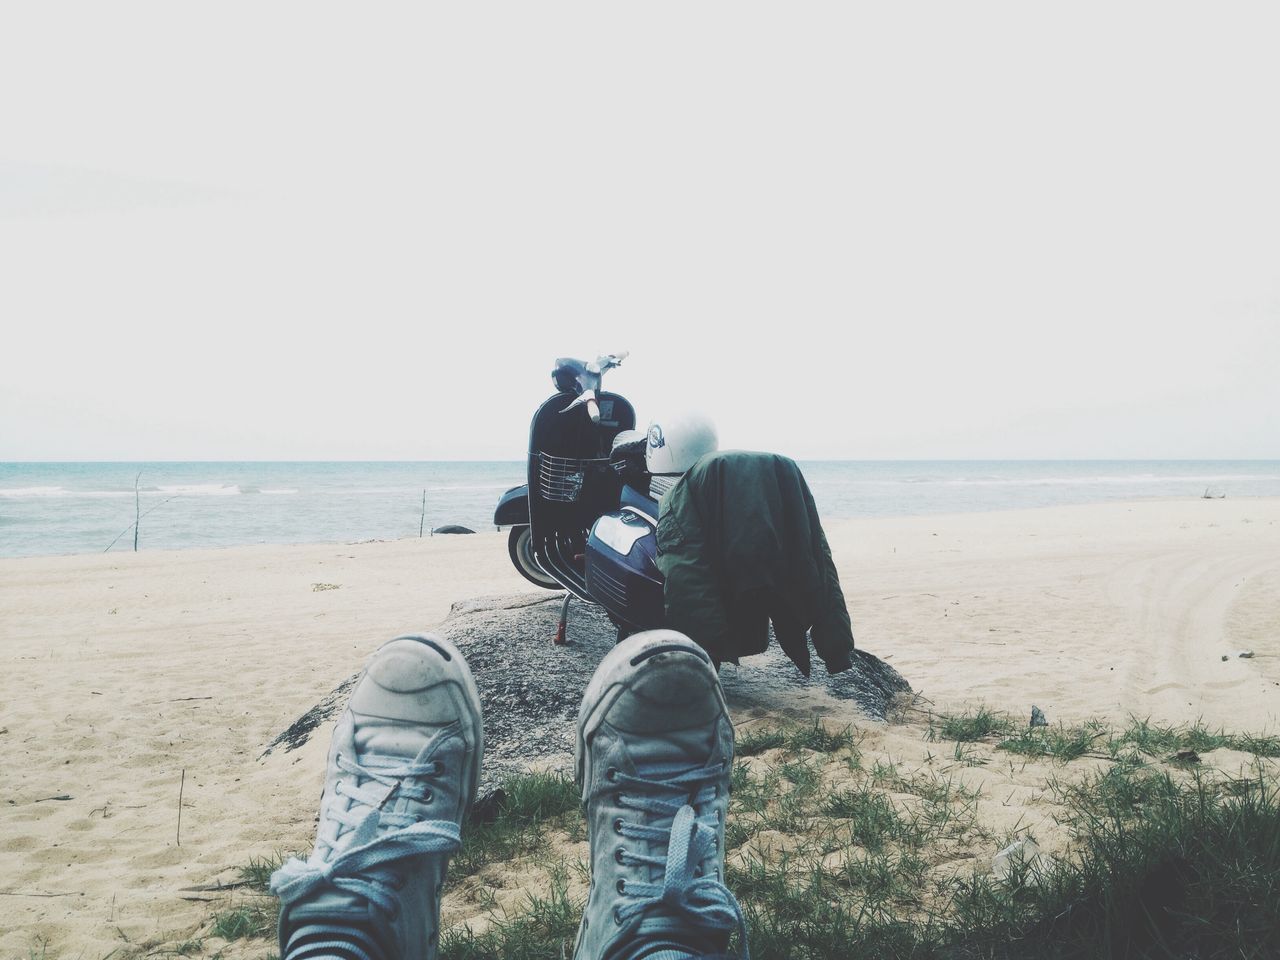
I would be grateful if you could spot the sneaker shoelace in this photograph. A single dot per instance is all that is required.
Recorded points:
(370, 835)
(702, 900)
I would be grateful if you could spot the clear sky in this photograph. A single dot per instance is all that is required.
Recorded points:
(310, 231)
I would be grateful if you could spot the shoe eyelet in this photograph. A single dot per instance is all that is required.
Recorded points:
(611, 775)
(697, 871)
(617, 916)
(617, 855)
(617, 825)
(622, 886)
(717, 873)
(426, 797)
(715, 843)
(716, 790)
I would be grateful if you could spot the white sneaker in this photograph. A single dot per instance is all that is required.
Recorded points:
(403, 766)
(654, 758)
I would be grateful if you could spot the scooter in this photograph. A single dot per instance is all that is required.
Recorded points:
(585, 521)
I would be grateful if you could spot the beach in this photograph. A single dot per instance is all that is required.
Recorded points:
(131, 679)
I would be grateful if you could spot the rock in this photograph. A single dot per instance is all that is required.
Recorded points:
(452, 528)
(1225, 658)
(530, 689)
(1037, 717)
(1245, 654)
(1187, 756)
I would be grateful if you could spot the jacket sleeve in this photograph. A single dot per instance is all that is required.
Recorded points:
(691, 593)
(832, 632)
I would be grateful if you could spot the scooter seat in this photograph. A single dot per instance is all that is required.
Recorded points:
(647, 507)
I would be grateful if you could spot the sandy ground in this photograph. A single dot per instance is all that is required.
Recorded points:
(129, 678)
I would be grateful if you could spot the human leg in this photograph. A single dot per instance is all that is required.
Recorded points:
(654, 758)
(403, 766)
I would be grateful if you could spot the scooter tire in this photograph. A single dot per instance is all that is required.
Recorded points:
(520, 546)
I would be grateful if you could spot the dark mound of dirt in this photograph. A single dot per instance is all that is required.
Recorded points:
(530, 688)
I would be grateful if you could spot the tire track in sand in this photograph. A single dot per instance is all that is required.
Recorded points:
(1176, 606)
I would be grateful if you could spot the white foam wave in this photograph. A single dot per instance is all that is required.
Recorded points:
(35, 492)
(25, 493)
(199, 490)
(277, 492)
(1144, 479)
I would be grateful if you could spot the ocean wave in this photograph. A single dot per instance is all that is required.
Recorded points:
(35, 492)
(277, 491)
(199, 490)
(1144, 479)
(25, 493)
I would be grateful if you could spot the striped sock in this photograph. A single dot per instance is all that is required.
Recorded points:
(332, 942)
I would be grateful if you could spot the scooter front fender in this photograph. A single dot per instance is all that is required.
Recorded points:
(513, 507)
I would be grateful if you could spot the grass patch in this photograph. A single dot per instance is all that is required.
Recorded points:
(257, 872)
(1062, 743)
(794, 738)
(1164, 863)
(545, 930)
(512, 823)
(871, 818)
(247, 920)
(1154, 739)
(970, 726)
(756, 741)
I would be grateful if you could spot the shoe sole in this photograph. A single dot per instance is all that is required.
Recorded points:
(624, 659)
(455, 668)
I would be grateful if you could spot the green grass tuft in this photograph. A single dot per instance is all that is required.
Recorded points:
(972, 725)
(756, 741)
(514, 825)
(247, 920)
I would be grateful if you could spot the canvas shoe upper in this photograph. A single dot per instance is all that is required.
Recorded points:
(653, 760)
(403, 766)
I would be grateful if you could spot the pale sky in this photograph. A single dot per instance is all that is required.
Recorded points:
(365, 231)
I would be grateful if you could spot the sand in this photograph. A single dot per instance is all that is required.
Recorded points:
(129, 678)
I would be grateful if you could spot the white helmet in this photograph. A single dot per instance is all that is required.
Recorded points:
(675, 444)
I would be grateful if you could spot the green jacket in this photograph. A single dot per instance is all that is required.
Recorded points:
(740, 545)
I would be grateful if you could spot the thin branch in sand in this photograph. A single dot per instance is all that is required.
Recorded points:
(134, 525)
(137, 510)
(182, 783)
(20, 893)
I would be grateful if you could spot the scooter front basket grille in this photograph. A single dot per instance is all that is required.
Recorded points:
(561, 478)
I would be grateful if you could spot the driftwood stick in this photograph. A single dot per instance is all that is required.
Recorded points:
(134, 524)
(181, 784)
(20, 893)
(137, 510)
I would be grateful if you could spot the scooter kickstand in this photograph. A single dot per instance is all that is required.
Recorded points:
(560, 638)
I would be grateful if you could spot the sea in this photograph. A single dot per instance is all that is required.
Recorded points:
(72, 508)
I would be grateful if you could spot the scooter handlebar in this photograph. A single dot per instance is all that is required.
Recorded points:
(593, 408)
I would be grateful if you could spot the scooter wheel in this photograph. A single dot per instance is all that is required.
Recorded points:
(520, 546)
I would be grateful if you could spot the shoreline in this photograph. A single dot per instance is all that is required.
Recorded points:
(827, 522)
